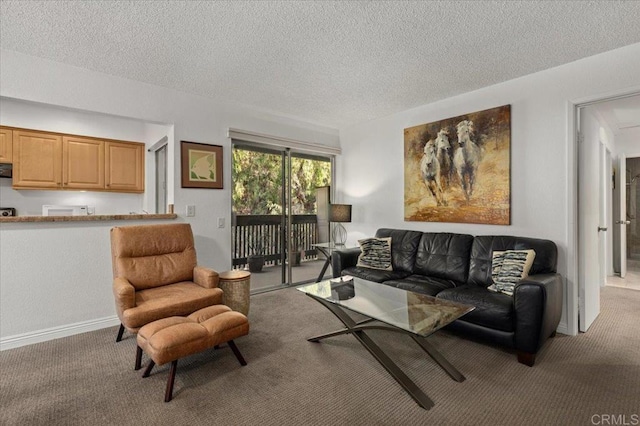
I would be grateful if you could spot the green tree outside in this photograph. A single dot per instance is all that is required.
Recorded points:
(257, 181)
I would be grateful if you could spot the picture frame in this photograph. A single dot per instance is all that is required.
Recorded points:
(458, 169)
(201, 165)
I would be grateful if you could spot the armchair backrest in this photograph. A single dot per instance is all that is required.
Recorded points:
(153, 255)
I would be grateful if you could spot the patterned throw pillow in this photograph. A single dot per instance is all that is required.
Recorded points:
(515, 265)
(496, 264)
(376, 253)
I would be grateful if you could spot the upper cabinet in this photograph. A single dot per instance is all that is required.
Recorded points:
(6, 145)
(37, 160)
(125, 167)
(82, 163)
(52, 161)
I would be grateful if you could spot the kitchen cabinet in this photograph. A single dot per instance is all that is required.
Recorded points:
(6, 145)
(124, 166)
(83, 163)
(44, 160)
(37, 160)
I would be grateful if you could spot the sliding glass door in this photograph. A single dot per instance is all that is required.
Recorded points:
(275, 213)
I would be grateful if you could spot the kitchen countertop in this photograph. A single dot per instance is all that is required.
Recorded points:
(88, 218)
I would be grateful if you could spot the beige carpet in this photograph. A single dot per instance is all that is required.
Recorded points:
(88, 379)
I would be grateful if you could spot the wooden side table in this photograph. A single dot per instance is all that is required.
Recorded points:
(236, 286)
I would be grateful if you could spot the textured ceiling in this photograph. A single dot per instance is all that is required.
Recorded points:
(332, 63)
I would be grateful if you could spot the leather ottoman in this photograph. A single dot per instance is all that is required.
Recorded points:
(169, 339)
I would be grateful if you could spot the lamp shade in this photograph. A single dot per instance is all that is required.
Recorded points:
(340, 213)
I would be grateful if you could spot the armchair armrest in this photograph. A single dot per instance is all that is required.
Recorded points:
(538, 308)
(205, 277)
(124, 294)
(342, 259)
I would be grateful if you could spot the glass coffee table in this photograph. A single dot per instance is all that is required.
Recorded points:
(393, 309)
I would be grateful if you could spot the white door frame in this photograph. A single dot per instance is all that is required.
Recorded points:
(572, 201)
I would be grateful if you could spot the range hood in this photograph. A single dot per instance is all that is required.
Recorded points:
(6, 170)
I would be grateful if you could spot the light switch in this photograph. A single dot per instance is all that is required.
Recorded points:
(191, 210)
(221, 222)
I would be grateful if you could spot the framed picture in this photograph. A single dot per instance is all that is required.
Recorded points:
(201, 165)
(459, 169)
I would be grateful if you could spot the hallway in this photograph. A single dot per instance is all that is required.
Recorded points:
(631, 279)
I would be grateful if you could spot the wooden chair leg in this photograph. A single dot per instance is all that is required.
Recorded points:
(172, 376)
(236, 352)
(147, 371)
(120, 333)
(138, 358)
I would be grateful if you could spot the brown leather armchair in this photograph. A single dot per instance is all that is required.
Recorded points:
(155, 275)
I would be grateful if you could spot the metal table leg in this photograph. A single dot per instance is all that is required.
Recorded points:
(326, 263)
(357, 329)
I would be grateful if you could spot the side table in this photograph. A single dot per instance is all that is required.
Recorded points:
(236, 286)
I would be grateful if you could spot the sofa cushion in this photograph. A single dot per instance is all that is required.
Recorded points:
(423, 284)
(376, 275)
(444, 255)
(375, 253)
(483, 247)
(177, 299)
(404, 245)
(493, 310)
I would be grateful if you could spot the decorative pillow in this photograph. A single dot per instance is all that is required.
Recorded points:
(376, 253)
(496, 264)
(515, 265)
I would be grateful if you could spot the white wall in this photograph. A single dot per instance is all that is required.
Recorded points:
(629, 143)
(370, 171)
(58, 275)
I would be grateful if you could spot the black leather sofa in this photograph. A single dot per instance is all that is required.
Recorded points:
(457, 267)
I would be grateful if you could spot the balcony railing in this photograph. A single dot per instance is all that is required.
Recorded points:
(268, 232)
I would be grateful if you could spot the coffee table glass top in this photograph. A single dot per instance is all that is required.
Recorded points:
(407, 310)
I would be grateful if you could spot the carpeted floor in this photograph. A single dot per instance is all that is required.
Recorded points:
(88, 379)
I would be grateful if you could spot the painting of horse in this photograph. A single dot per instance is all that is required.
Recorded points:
(430, 168)
(458, 169)
(466, 158)
(444, 158)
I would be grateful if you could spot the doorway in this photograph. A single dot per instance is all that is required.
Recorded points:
(609, 130)
(161, 179)
(275, 220)
(631, 277)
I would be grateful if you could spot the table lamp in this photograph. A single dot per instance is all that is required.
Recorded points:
(338, 214)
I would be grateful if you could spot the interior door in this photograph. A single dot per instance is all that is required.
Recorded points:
(589, 223)
(603, 228)
(622, 221)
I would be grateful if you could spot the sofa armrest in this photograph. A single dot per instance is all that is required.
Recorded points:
(538, 308)
(205, 277)
(342, 259)
(124, 294)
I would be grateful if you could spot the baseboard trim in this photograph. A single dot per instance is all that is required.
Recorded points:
(563, 329)
(46, 334)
